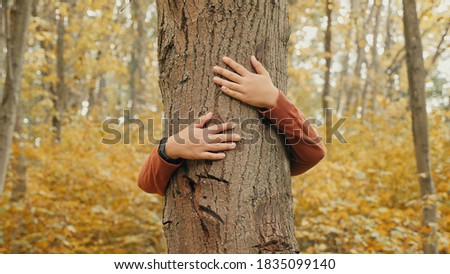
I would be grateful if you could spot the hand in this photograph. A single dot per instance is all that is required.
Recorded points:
(198, 143)
(254, 89)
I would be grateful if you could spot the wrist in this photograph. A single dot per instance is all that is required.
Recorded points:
(272, 100)
(171, 148)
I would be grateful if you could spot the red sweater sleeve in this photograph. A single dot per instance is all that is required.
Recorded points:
(156, 174)
(306, 148)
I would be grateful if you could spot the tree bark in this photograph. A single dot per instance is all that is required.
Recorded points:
(416, 80)
(242, 204)
(16, 40)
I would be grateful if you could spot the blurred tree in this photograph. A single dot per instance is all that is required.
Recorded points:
(60, 93)
(375, 65)
(137, 75)
(16, 25)
(326, 89)
(416, 79)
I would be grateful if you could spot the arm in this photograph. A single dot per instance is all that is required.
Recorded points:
(306, 149)
(156, 173)
(194, 143)
(257, 89)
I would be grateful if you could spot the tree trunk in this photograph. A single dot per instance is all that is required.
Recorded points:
(374, 69)
(375, 59)
(137, 77)
(344, 74)
(2, 43)
(416, 79)
(16, 40)
(388, 41)
(353, 91)
(242, 204)
(20, 183)
(326, 87)
(60, 96)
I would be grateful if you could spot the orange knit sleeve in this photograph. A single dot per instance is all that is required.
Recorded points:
(304, 143)
(156, 173)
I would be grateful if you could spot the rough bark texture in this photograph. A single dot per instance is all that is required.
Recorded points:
(16, 37)
(416, 79)
(242, 204)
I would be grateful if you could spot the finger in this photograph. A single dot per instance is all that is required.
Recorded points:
(212, 156)
(220, 127)
(228, 74)
(228, 84)
(223, 138)
(220, 146)
(258, 66)
(236, 66)
(232, 93)
(201, 122)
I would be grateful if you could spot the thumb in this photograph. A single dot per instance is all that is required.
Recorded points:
(201, 122)
(258, 66)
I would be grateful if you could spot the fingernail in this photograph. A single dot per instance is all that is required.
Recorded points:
(253, 57)
(215, 68)
(225, 58)
(233, 145)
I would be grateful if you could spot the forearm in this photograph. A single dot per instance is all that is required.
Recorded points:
(156, 173)
(305, 146)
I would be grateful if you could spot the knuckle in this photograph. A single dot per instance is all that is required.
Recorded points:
(212, 128)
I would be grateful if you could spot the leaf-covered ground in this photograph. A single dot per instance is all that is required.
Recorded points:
(362, 198)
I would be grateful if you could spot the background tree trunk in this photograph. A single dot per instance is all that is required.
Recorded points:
(17, 26)
(416, 80)
(20, 183)
(326, 88)
(353, 92)
(61, 92)
(137, 77)
(375, 58)
(242, 204)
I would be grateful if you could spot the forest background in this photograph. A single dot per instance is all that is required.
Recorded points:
(87, 61)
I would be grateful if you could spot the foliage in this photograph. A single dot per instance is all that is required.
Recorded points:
(83, 198)
(364, 198)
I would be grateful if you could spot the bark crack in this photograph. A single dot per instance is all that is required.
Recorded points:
(196, 190)
(212, 177)
(274, 246)
(211, 213)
